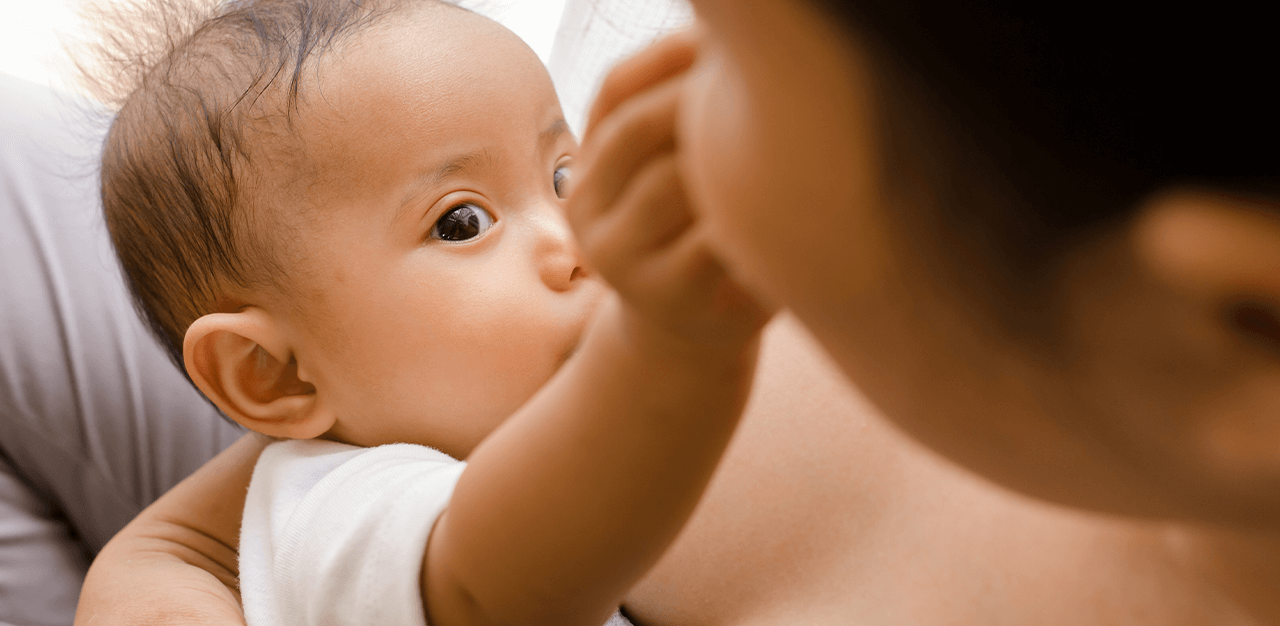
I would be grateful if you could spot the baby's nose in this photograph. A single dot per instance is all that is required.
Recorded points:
(560, 262)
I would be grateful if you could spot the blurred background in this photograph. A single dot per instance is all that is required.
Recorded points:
(579, 40)
(32, 32)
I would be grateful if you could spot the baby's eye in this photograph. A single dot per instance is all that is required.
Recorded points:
(463, 222)
(558, 180)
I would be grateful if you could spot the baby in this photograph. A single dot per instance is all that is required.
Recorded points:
(346, 220)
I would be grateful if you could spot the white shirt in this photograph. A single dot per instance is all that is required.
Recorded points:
(334, 534)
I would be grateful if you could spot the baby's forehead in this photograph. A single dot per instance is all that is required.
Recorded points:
(408, 92)
(418, 63)
(430, 39)
(395, 76)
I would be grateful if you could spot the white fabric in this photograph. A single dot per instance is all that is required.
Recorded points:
(594, 35)
(333, 535)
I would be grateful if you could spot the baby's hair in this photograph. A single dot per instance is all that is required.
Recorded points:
(205, 92)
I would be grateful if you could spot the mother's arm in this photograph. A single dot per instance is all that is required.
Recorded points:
(176, 563)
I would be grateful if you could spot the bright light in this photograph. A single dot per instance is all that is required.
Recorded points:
(31, 35)
(32, 32)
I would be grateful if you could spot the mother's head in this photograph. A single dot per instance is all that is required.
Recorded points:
(1043, 238)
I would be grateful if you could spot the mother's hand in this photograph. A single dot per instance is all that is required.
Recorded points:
(176, 563)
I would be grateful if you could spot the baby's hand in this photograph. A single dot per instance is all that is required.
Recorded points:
(630, 212)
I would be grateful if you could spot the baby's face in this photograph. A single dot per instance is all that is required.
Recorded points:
(440, 284)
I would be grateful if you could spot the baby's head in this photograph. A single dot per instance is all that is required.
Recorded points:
(344, 219)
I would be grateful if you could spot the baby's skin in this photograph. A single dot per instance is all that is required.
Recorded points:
(819, 514)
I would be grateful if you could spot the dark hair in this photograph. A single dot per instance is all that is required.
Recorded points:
(207, 94)
(1075, 112)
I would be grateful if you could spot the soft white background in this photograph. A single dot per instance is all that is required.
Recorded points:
(579, 40)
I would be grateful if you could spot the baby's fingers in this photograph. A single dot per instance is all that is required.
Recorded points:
(648, 215)
(640, 130)
(653, 65)
(699, 299)
(648, 248)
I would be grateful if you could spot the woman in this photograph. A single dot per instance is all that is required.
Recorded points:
(1042, 240)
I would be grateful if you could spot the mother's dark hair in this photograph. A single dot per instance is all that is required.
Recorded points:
(1071, 115)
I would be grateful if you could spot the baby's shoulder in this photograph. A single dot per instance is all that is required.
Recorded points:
(314, 465)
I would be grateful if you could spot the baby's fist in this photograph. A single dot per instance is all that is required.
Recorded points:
(630, 212)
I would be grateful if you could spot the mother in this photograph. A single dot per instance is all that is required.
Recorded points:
(1043, 240)
(899, 237)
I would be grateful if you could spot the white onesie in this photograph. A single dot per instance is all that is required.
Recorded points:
(333, 534)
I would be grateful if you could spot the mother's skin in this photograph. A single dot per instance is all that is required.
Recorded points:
(1146, 378)
(820, 514)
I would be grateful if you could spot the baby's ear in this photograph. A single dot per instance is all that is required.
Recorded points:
(243, 363)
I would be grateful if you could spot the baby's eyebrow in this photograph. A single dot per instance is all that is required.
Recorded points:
(480, 159)
(552, 133)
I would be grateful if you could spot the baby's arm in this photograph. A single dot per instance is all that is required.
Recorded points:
(569, 503)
